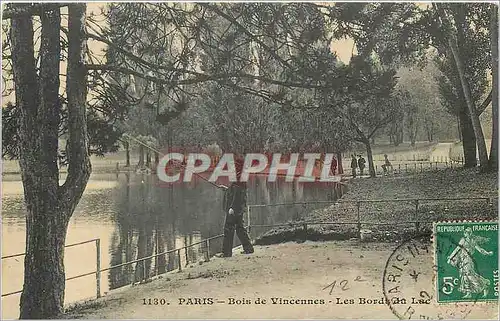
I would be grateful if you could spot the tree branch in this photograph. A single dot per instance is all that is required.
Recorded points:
(32, 10)
(381, 124)
(485, 103)
(200, 77)
(248, 33)
(79, 167)
(361, 136)
(137, 59)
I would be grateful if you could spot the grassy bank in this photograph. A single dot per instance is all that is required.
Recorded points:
(449, 183)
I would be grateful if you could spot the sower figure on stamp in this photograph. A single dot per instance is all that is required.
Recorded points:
(234, 205)
(461, 257)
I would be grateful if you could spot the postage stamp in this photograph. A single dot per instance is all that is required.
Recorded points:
(466, 258)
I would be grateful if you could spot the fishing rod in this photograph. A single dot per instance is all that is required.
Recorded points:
(159, 152)
(198, 175)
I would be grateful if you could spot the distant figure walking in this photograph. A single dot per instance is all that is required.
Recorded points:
(234, 205)
(386, 164)
(361, 165)
(354, 165)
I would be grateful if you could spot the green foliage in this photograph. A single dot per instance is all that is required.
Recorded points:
(266, 70)
(472, 26)
(395, 31)
(427, 114)
(103, 135)
(367, 102)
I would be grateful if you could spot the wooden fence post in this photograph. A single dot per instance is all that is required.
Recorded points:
(179, 259)
(417, 224)
(248, 219)
(358, 204)
(207, 248)
(98, 268)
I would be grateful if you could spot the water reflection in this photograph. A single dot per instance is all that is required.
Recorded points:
(153, 217)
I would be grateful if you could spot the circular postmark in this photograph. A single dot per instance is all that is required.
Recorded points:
(409, 283)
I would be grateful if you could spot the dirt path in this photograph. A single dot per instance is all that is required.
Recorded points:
(287, 271)
(441, 151)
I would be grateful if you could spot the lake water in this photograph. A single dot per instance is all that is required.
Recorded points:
(135, 216)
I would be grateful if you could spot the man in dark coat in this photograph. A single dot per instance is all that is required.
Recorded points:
(354, 165)
(361, 165)
(235, 206)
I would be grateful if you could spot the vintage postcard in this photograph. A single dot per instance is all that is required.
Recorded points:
(249, 160)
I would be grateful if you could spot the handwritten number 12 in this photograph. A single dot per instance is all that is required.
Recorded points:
(342, 285)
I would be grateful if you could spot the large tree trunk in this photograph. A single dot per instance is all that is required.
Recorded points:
(43, 289)
(494, 70)
(49, 206)
(161, 259)
(369, 154)
(148, 159)
(412, 125)
(340, 167)
(429, 130)
(141, 157)
(468, 138)
(452, 43)
(459, 129)
(157, 158)
(397, 132)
